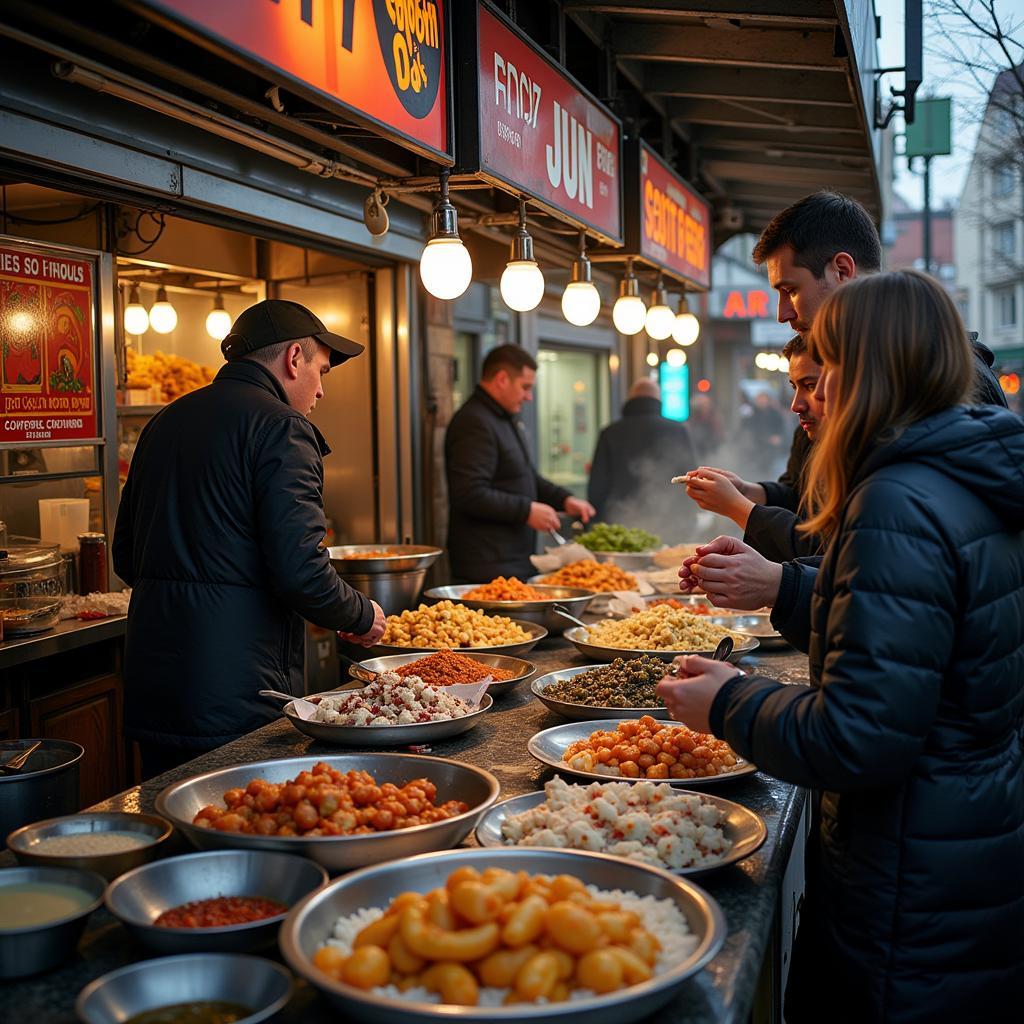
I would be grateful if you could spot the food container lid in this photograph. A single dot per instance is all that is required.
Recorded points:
(26, 557)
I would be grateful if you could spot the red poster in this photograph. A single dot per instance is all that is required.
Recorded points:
(543, 135)
(47, 354)
(675, 222)
(383, 60)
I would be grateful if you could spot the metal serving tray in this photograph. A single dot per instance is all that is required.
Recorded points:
(585, 712)
(522, 669)
(579, 638)
(574, 599)
(537, 633)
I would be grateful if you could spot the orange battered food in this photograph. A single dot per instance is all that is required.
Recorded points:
(501, 589)
(601, 577)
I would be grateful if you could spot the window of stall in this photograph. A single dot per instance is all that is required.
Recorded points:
(572, 406)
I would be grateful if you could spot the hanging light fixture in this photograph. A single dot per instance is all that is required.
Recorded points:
(163, 317)
(652, 359)
(522, 283)
(660, 318)
(675, 357)
(218, 320)
(687, 327)
(629, 311)
(136, 319)
(581, 301)
(446, 267)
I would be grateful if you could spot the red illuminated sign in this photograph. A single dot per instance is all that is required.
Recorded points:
(384, 61)
(541, 134)
(673, 229)
(47, 351)
(751, 305)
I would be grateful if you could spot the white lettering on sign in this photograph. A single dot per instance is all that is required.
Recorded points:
(510, 135)
(514, 91)
(570, 157)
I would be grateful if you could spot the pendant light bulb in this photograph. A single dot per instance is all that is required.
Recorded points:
(675, 357)
(652, 359)
(660, 318)
(687, 327)
(581, 301)
(163, 317)
(446, 267)
(522, 283)
(136, 319)
(629, 312)
(218, 320)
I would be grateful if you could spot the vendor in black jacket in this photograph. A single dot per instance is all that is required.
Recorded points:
(218, 534)
(911, 727)
(497, 500)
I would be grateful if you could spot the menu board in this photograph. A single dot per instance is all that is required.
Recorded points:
(542, 134)
(47, 346)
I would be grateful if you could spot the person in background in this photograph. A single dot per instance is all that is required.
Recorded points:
(705, 427)
(912, 724)
(634, 459)
(219, 535)
(769, 529)
(497, 501)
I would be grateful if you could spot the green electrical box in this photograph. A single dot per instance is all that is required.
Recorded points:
(929, 135)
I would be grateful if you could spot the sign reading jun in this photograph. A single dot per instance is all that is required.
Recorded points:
(47, 361)
(675, 222)
(383, 60)
(544, 136)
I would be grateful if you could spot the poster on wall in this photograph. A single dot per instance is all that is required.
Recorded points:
(47, 347)
(536, 131)
(383, 61)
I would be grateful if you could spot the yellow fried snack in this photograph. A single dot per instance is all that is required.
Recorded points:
(662, 628)
(450, 625)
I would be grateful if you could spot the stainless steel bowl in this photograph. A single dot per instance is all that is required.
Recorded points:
(41, 947)
(25, 844)
(537, 633)
(627, 560)
(522, 669)
(580, 639)
(573, 599)
(261, 985)
(138, 898)
(756, 624)
(394, 581)
(744, 829)
(585, 712)
(181, 801)
(387, 735)
(311, 922)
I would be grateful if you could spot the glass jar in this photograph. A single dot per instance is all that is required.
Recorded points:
(31, 588)
(92, 563)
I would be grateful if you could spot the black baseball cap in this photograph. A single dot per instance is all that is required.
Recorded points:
(275, 320)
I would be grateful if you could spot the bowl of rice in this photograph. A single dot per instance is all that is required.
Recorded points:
(687, 922)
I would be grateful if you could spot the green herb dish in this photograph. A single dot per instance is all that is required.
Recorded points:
(614, 537)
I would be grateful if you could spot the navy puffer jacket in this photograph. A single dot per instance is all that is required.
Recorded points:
(912, 726)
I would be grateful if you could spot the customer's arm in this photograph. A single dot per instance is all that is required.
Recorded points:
(288, 497)
(785, 492)
(773, 532)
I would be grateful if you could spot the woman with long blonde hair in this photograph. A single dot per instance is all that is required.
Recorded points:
(913, 725)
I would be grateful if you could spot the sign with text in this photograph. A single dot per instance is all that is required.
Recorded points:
(543, 135)
(47, 350)
(668, 223)
(384, 61)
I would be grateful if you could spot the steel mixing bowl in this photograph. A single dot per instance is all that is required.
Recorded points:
(181, 801)
(394, 580)
(27, 843)
(139, 897)
(309, 925)
(522, 669)
(573, 599)
(41, 947)
(536, 632)
(261, 985)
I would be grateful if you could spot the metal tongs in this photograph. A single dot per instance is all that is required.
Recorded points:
(558, 538)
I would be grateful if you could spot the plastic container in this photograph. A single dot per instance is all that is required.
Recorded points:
(31, 588)
(61, 520)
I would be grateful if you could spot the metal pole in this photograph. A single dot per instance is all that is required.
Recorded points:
(926, 216)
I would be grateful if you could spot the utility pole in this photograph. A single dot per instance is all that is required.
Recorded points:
(926, 216)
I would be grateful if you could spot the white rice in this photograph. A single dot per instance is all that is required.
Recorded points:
(661, 917)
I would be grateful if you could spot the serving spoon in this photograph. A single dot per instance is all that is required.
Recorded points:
(17, 762)
(566, 614)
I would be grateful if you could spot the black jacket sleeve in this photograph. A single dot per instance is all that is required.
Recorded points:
(289, 515)
(866, 723)
(791, 615)
(773, 533)
(551, 494)
(986, 386)
(600, 483)
(471, 460)
(785, 492)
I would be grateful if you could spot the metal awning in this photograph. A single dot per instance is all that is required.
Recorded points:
(765, 98)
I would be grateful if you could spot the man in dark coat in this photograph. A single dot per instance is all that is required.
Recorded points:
(634, 461)
(497, 500)
(218, 534)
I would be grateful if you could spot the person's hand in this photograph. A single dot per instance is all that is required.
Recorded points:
(542, 517)
(689, 695)
(732, 574)
(715, 492)
(579, 508)
(751, 491)
(373, 634)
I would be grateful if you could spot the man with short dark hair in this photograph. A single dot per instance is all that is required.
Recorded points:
(219, 533)
(497, 500)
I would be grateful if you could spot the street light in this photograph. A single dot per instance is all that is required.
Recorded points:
(581, 301)
(522, 283)
(446, 267)
(629, 311)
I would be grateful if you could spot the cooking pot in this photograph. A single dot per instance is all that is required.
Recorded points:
(47, 787)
